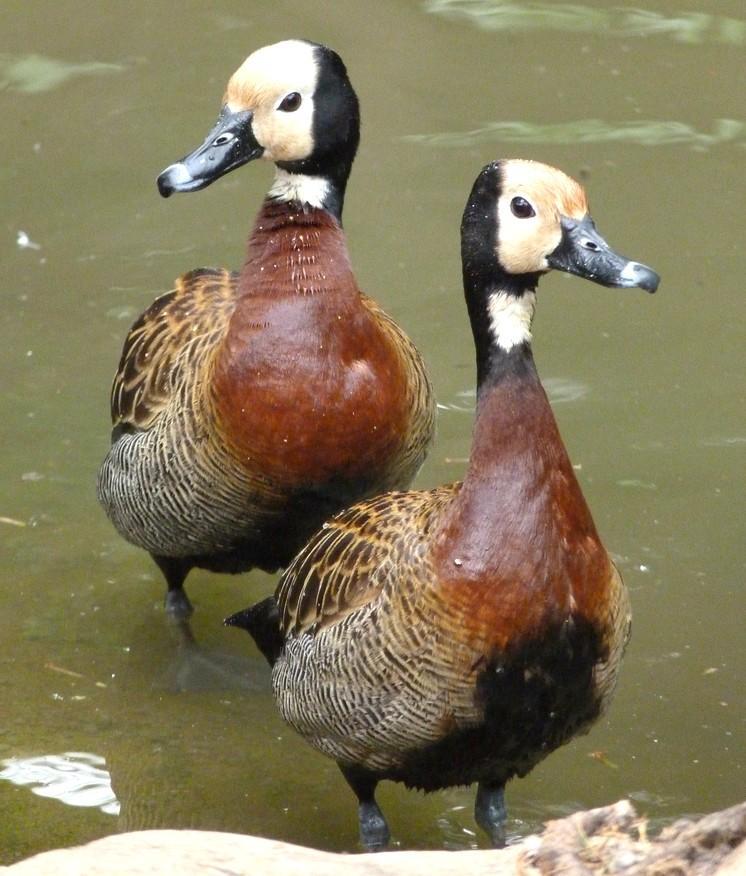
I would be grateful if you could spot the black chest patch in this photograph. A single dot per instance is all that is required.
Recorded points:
(531, 702)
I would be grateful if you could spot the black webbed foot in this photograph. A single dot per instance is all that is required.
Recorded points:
(177, 604)
(490, 812)
(374, 831)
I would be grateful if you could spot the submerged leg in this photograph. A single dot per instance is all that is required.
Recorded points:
(490, 813)
(374, 832)
(175, 571)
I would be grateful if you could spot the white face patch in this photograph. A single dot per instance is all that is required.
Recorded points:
(260, 85)
(525, 243)
(311, 190)
(510, 318)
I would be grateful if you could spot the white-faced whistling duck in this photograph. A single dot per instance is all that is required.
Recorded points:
(460, 634)
(249, 407)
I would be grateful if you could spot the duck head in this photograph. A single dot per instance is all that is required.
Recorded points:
(524, 218)
(291, 103)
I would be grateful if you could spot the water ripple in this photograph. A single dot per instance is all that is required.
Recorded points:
(76, 778)
(560, 390)
(624, 22)
(724, 441)
(31, 74)
(642, 133)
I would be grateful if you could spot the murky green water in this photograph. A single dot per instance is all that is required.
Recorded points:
(647, 105)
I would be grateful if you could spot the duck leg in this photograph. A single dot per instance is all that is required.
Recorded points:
(490, 813)
(374, 832)
(175, 571)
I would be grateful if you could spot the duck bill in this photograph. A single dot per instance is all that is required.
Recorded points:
(584, 252)
(230, 144)
(241, 619)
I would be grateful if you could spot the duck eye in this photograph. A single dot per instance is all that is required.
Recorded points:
(290, 102)
(521, 208)
(222, 139)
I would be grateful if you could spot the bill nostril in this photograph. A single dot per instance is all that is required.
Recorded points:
(631, 270)
(591, 245)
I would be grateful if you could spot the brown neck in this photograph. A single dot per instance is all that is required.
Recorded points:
(295, 251)
(520, 514)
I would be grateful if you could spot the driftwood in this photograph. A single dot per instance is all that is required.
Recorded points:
(612, 841)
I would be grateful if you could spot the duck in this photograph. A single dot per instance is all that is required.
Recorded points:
(460, 634)
(250, 406)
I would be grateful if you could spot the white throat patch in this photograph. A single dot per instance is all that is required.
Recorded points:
(510, 318)
(311, 190)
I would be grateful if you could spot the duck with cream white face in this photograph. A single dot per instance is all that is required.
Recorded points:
(290, 103)
(459, 635)
(251, 406)
(523, 219)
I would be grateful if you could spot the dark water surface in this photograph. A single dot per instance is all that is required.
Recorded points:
(648, 106)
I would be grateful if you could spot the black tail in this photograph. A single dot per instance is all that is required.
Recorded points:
(262, 622)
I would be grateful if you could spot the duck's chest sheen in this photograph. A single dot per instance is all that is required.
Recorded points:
(310, 388)
(518, 559)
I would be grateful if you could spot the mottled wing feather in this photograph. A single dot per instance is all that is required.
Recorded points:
(354, 556)
(619, 624)
(180, 325)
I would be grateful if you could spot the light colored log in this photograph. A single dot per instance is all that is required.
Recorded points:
(611, 840)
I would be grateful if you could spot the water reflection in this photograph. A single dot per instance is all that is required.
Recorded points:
(637, 484)
(23, 241)
(31, 74)
(75, 777)
(625, 22)
(724, 441)
(195, 668)
(641, 133)
(454, 835)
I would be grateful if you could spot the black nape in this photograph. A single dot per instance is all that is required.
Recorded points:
(336, 130)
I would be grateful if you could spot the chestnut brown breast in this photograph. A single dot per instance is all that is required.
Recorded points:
(517, 551)
(307, 385)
